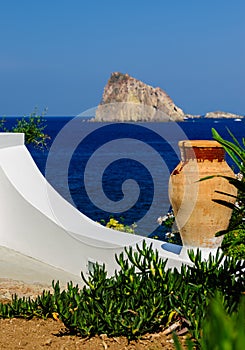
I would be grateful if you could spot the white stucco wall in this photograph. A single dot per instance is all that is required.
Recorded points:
(37, 222)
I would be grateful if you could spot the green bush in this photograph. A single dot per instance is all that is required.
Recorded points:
(33, 127)
(143, 296)
(234, 242)
(220, 330)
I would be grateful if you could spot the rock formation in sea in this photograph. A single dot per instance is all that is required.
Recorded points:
(219, 114)
(128, 99)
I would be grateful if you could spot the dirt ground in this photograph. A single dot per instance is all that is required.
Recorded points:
(17, 334)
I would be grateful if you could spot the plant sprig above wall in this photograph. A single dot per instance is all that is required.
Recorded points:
(33, 127)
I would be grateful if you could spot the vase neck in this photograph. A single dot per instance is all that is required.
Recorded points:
(201, 150)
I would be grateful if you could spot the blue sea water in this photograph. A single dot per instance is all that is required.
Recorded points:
(144, 152)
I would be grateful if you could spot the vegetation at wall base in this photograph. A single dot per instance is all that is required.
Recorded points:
(118, 225)
(143, 296)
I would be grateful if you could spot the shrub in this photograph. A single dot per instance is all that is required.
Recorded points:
(33, 128)
(234, 242)
(143, 295)
(221, 330)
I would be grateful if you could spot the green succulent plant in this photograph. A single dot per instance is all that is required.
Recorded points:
(142, 296)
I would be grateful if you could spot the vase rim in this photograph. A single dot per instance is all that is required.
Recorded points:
(200, 143)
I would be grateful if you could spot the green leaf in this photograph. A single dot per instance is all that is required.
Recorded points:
(235, 151)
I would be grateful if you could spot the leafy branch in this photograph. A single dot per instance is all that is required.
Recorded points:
(33, 127)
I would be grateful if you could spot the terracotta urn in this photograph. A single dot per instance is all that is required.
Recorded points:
(198, 217)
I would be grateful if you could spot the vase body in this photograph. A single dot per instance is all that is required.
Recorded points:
(198, 217)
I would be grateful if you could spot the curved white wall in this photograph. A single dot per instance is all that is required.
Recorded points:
(38, 222)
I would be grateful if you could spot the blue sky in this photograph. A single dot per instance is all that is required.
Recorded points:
(60, 53)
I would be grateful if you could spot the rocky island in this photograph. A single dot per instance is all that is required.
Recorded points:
(126, 99)
(220, 114)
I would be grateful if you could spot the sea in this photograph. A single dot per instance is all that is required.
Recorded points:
(120, 170)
